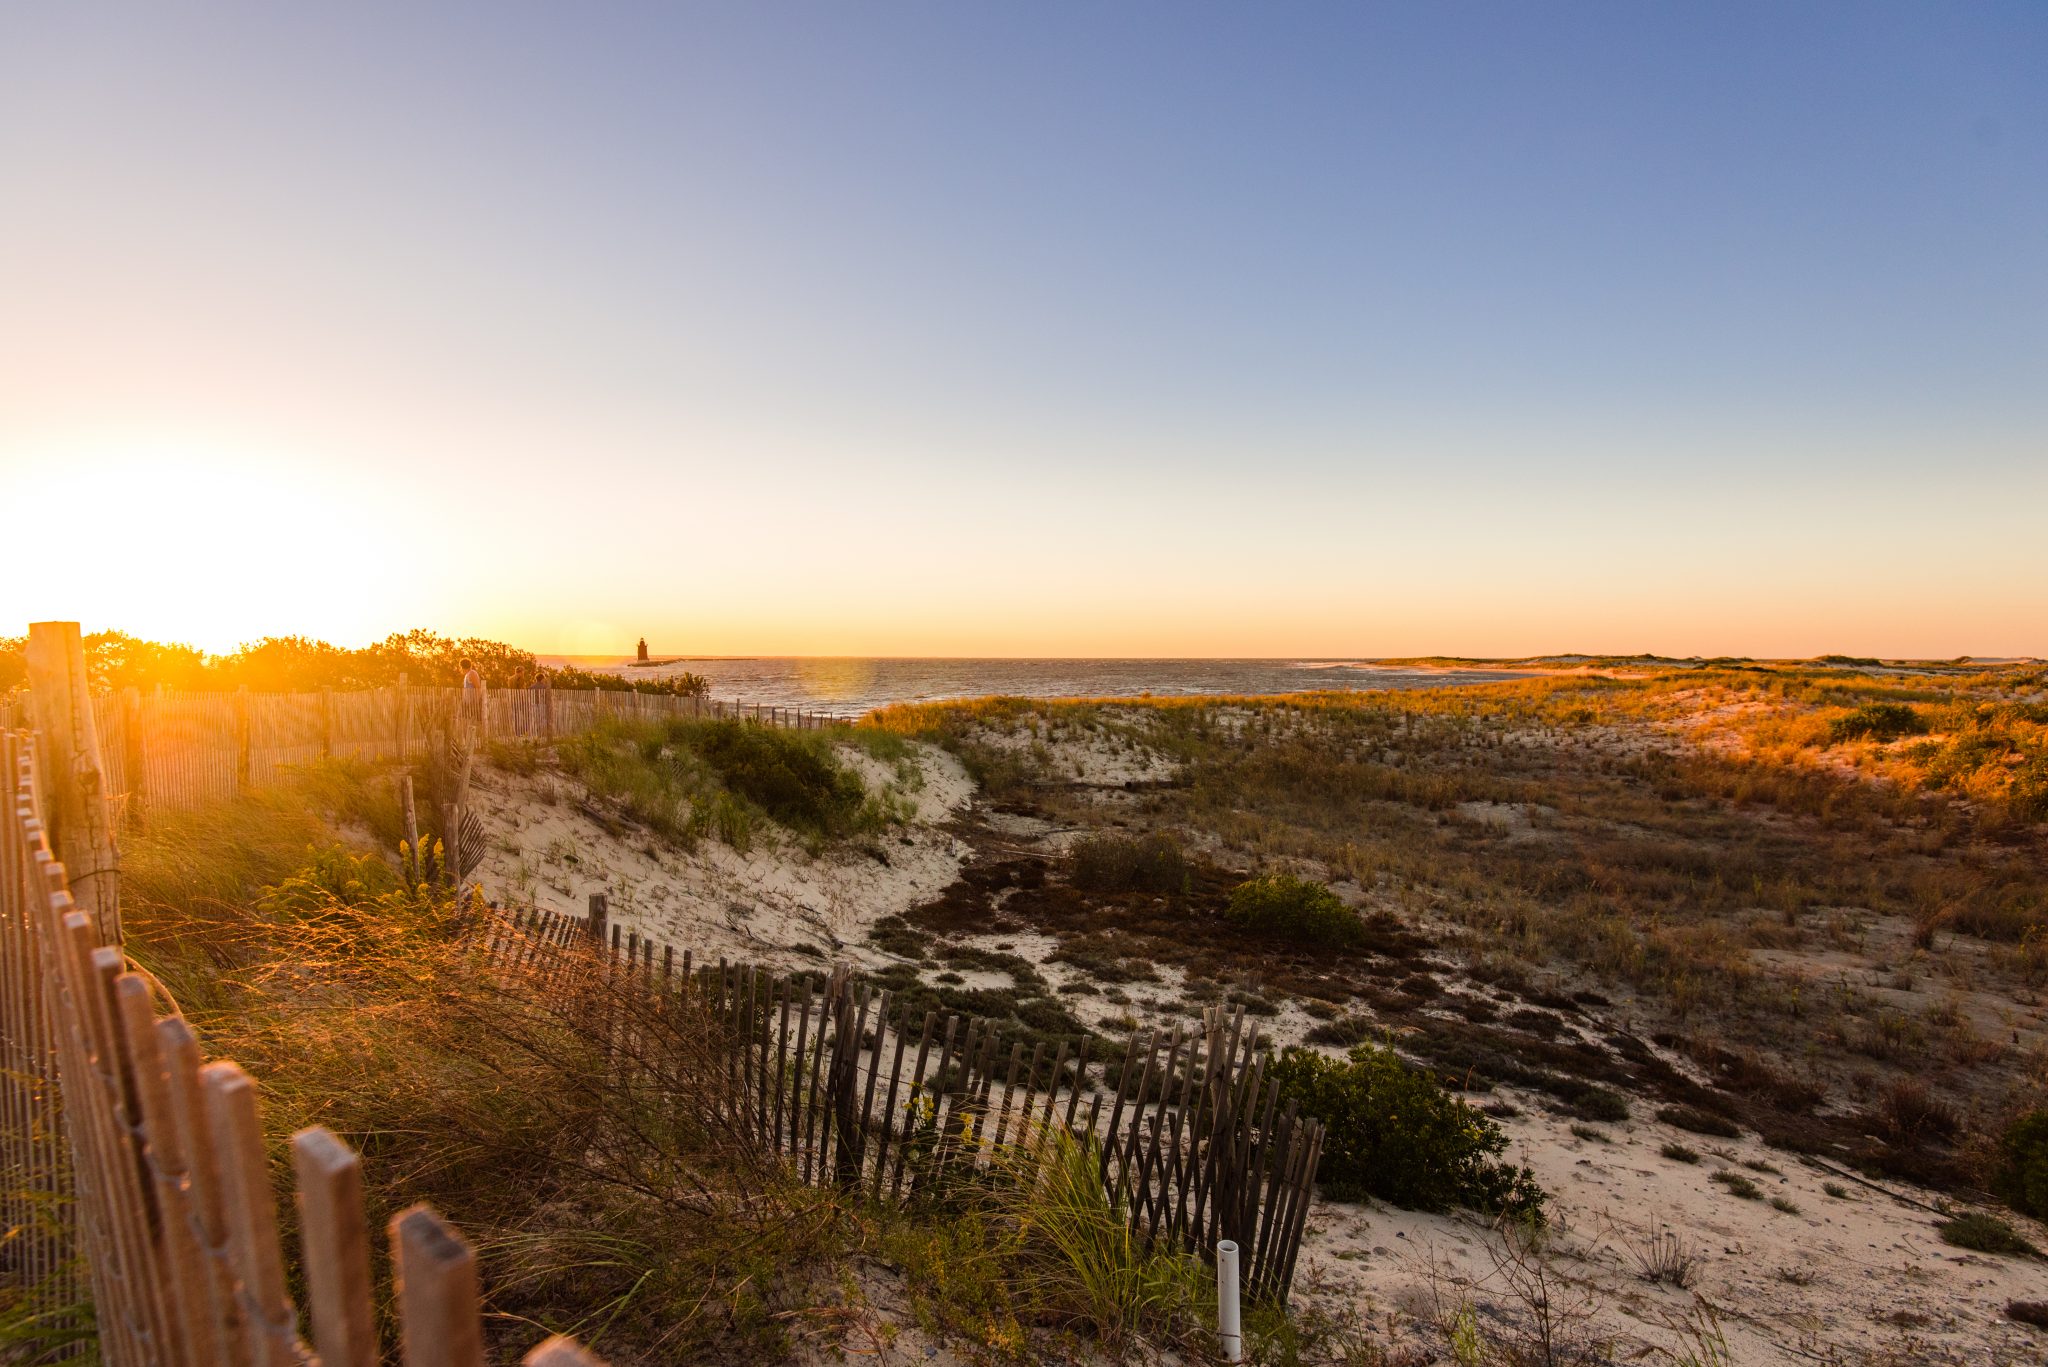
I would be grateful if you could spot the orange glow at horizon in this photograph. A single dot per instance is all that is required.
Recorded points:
(216, 542)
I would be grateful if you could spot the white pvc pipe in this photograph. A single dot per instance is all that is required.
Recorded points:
(1228, 1328)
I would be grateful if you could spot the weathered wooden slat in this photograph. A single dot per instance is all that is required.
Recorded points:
(813, 1092)
(904, 1118)
(936, 1091)
(778, 1135)
(1009, 1092)
(205, 1201)
(796, 1089)
(337, 1249)
(1274, 1172)
(440, 1301)
(1300, 1220)
(251, 1212)
(1080, 1081)
(867, 1101)
(186, 1288)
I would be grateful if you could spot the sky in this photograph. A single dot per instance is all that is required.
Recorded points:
(1050, 329)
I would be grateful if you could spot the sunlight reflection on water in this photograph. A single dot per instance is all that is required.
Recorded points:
(849, 684)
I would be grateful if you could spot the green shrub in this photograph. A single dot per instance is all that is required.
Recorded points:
(790, 774)
(1983, 1233)
(2021, 1180)
(1393, 1132)
(1597, 1103)
(1878, 721)
(687, 779)
(1289, 908)
(1122, 863)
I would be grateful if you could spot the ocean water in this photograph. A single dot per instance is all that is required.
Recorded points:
(848, 686)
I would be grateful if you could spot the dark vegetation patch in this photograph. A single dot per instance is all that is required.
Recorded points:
(1983, 1233)
(1116, 862)
(791, 775)
(1108, 956)
(1909, 1113)
(2021, 1176)
(1031, 1017)
(1696, 1121)
(1345, 1031)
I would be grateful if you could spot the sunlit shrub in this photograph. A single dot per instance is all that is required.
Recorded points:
(1877, 721)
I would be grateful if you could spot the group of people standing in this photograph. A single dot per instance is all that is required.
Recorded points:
(539, 689)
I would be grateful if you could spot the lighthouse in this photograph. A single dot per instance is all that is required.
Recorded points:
(643, 650)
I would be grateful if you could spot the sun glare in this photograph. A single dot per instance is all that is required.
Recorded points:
(207, 547)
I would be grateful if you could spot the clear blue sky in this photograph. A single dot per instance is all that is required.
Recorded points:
(1103, 329)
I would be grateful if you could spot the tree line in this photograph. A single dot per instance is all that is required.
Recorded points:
(293, 664)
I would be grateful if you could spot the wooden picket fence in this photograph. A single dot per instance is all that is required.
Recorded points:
(155, 1207)
(164, 749)
(854, 1090)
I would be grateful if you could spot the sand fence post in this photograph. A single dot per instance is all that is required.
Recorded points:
(74, 779)
(131, 754)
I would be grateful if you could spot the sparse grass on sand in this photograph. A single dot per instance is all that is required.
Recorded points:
(1686, 839)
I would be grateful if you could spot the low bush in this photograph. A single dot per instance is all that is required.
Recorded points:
(1697, 1121)
(1983, 1233)
(1876, 721)
(1738, 1185)
(1113, 862)
(1908, 1113)
(1289, 908)
(689, 779)
(1597, 1103)
(1395, 1133)
(1344, 1031)
(2021, 1178)
(791, 775)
